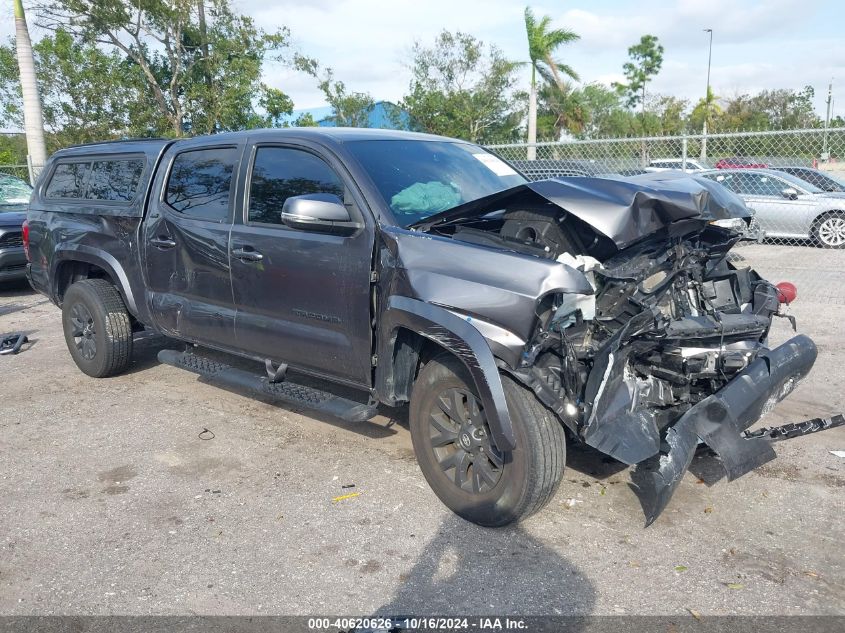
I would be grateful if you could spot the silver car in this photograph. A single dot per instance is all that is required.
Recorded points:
(787, 206)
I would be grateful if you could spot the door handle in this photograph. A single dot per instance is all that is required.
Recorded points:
(162, 242)
(247, 254)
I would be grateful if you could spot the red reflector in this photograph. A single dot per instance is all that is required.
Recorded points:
(25, 238)
(787, 292)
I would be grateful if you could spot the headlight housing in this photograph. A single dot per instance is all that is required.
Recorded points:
(734, 224)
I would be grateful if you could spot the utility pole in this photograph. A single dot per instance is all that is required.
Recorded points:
(825, 152)
(707, 99)
(33, 120)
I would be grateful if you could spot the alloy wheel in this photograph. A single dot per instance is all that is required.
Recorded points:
(832, 231)
(82, 331)
(460, 438)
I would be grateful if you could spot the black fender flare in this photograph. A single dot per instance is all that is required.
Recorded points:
(461, 339)
(97, 257)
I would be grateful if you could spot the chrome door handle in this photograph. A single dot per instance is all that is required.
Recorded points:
(162, 242)
(247, 255)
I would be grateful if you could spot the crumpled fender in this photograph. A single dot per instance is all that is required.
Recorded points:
(461, 338)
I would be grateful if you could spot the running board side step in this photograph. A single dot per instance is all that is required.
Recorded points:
(287, 391)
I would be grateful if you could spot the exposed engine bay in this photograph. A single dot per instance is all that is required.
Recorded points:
(661, 354)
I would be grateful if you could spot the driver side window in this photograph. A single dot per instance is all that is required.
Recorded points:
(280, 173)
(766, 185)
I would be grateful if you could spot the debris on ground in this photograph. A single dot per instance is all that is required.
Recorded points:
(838, 453)
(694, 614)
(344, 497)
(570, 503)
(11, 343)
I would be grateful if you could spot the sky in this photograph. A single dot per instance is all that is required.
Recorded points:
(757, 44)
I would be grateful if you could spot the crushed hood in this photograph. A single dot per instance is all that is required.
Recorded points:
(624, 210)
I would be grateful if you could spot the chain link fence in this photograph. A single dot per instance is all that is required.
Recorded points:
(18, 171)
(13, 155)
(793, 180)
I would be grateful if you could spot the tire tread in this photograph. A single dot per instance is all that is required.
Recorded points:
(117, 353)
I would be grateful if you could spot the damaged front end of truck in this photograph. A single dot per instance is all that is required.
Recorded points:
(642, 336)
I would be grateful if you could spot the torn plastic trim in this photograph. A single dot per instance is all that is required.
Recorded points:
(505, 344)
(459, 337)
(719, 421)
(797, 429)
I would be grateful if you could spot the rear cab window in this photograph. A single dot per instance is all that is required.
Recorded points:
(101, 179)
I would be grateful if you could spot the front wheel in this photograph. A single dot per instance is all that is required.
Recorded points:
(458, 458)
(829, 230)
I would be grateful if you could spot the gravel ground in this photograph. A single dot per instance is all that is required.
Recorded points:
(112, 504)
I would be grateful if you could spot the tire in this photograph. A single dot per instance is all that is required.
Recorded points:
(829, 230)
(497, 488)
(97, 327)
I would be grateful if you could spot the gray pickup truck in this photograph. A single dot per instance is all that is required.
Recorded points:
(512, 317)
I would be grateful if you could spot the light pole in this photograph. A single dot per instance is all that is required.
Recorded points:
(707, 97)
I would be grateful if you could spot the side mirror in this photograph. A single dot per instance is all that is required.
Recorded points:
(318, 212)
(790, 194)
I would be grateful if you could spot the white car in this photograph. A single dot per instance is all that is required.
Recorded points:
(666, 164)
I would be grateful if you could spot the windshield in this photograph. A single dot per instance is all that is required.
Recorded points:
(417, 179)
(803, 184)
(13, 192)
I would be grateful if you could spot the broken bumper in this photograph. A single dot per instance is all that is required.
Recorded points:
(720, 420)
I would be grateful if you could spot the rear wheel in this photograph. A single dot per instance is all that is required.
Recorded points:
(97, 328)
(829, 230)
(460, 461)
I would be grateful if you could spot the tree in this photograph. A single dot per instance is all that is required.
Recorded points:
(349, 109)
(646, 60)
(706, 109)
(777, 109)
(560, 109)
(665, 115)
(542, 43)
(462, 88)
(33, 122)
(200, 69)
(88, 94)
(605, 113)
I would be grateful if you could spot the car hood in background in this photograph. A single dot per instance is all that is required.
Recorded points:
(12, 215)
(623, 209)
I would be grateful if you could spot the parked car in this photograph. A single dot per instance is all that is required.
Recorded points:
(14, 198)
(558, 168)
(688, 165)
(820, 179)
(743, 221)
(787, 206)
(415, 269)
(739, 162)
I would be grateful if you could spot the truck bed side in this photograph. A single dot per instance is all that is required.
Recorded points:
(78, 237)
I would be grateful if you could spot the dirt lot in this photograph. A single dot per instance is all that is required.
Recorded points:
(113, 504)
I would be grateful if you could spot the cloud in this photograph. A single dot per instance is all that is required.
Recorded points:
(756, 44)
(680, 25)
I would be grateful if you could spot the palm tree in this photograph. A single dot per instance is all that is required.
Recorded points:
(33, 121)
(568, 111)
(542, 44)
